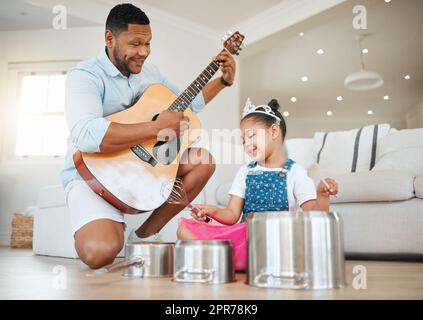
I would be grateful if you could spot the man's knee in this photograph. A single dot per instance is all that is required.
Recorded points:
(180, 233)
(200, 156)
(198, 159)
(184, 234)
(205, 159)
(99, 253)
(212, 168)
(209, 169)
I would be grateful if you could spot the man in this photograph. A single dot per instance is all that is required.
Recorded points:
(107, 84)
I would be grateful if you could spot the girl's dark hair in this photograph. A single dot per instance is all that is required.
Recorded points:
(269, 120)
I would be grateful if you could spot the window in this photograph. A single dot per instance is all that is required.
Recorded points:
(41, 129)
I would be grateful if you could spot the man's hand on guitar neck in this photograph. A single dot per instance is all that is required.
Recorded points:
(228, 67)
(123, 136)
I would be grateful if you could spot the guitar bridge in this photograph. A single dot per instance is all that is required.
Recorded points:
(144, 155)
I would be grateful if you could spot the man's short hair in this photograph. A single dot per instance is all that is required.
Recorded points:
(123, 14)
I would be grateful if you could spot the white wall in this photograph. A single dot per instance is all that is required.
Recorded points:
(305, 128)
(414, 117)
(303, 120)
(180, 55)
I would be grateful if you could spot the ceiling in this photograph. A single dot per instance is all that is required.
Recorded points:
(219, 15)
(22, 15)
(273, 67)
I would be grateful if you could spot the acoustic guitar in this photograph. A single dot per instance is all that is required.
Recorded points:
(132, 180)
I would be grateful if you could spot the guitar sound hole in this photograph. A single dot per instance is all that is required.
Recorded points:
(166, 151)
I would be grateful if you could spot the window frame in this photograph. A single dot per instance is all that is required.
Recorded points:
(11, 109)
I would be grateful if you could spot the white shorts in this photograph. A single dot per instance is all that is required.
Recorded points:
(86, 206)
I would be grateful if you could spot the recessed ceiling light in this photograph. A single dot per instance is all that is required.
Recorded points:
(365, 50)
(329, 113)
(304, 79)
(370, 112)
(340, 98)
(286, 114)
(320, 52)
(293, 99)
(387, 1)
(407, 77)
(301, 34)
(386, 98)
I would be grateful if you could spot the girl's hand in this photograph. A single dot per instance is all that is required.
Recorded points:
(204, 211)
(323, 191)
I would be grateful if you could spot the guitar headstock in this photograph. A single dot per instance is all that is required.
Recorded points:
(233, 42)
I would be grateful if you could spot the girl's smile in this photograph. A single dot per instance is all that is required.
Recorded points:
(257, 140)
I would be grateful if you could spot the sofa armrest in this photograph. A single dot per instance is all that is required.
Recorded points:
(51, 196)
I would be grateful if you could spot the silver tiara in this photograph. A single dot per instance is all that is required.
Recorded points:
(250, 108)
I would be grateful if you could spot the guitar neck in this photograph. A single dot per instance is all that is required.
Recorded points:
(187, 96)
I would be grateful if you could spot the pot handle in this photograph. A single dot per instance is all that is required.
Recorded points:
(206, 275)
(138, 261)
(284, 280)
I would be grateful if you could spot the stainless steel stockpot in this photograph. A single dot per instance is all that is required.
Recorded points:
(295, 250)
(203, 261)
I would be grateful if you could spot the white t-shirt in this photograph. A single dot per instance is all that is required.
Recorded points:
(300, 186)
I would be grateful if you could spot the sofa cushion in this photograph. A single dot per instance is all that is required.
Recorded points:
(401, 150)
(374, 186)
(418, 186)
(51, 196)
(348, 151)
(53, 233)
(300, 150)
(370, 186)
(406, 159)
(382, 227)
(398, 139)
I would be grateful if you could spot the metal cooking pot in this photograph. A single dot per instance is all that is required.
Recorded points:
(144, 259)
(203, 261)
(295, 250)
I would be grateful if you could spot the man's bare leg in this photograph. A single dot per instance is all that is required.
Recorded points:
(194, 174)
(99, 242)
(184, 234)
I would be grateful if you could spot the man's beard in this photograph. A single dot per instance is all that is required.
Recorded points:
(119, 61)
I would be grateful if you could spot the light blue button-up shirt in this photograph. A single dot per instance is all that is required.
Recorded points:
(95, 88)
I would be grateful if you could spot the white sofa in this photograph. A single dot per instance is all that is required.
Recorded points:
(53, 236)
(382, 210)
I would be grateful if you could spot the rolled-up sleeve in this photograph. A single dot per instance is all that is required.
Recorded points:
(84, 110)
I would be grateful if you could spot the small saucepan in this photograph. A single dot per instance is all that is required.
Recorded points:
(144, 259)
(204, 261)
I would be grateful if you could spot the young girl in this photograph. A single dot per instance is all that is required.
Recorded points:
(271, 182)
